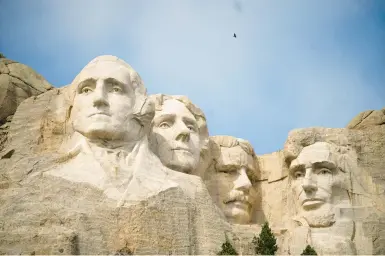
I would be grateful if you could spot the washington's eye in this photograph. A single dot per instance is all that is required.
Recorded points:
(325, 171)
(116, 89)
(298, 174)
(164, 125)
(86, 89)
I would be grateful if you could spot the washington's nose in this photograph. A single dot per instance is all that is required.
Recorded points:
(183, 133)
(100, 96)
(242, 182)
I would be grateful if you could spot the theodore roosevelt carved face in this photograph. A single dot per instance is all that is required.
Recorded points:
(230, 182)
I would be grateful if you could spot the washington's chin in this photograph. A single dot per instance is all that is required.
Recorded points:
(100, 131)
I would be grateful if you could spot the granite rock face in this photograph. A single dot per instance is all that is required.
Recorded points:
(82, 172)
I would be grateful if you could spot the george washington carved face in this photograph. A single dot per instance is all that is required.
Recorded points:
(104, 101)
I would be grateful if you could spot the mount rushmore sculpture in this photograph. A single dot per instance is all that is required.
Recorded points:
(99, 167)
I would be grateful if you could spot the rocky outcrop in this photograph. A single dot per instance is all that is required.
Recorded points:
(18, 82)
(367, 119)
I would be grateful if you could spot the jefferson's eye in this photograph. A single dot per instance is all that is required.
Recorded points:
(164, 125)
(325, 171)
(116, 89)
(86, 90)
(298, 174)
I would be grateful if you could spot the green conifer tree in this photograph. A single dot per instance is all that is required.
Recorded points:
(227, 249)
(266, 243)
(1, 55)
(309, 251)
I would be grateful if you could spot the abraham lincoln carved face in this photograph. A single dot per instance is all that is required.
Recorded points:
(316, 179)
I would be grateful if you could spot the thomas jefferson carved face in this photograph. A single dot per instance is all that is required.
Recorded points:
(230, 184)
(175, 137)
(104, 101)
(314, 181)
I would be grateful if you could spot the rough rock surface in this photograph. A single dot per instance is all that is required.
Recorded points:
(367, 119)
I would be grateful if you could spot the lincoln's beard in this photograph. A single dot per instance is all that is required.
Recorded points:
(324, 216)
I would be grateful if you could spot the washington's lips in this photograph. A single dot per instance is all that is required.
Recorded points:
(99, 113)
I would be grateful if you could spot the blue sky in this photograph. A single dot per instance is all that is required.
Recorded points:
(294, 63)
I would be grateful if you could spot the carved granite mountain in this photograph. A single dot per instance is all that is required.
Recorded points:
(64, 190)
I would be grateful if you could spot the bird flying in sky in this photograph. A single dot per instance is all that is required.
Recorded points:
(235, 36)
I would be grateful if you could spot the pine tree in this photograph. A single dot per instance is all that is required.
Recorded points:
(1, 55)
(227, 249)
(309, 251)
(266, 243)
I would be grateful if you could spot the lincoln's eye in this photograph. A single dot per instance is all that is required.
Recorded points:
(191, 128)
(298, 174)
(325, 171)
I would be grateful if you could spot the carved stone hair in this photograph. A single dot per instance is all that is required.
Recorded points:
(230, 142)
(200, 117)
(226, 141)
(343, 153)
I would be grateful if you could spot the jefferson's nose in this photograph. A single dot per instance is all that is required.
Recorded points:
(183, 132)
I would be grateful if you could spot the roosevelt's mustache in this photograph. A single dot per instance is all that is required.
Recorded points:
(237, 196)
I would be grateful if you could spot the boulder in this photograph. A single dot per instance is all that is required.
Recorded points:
(367, 119)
